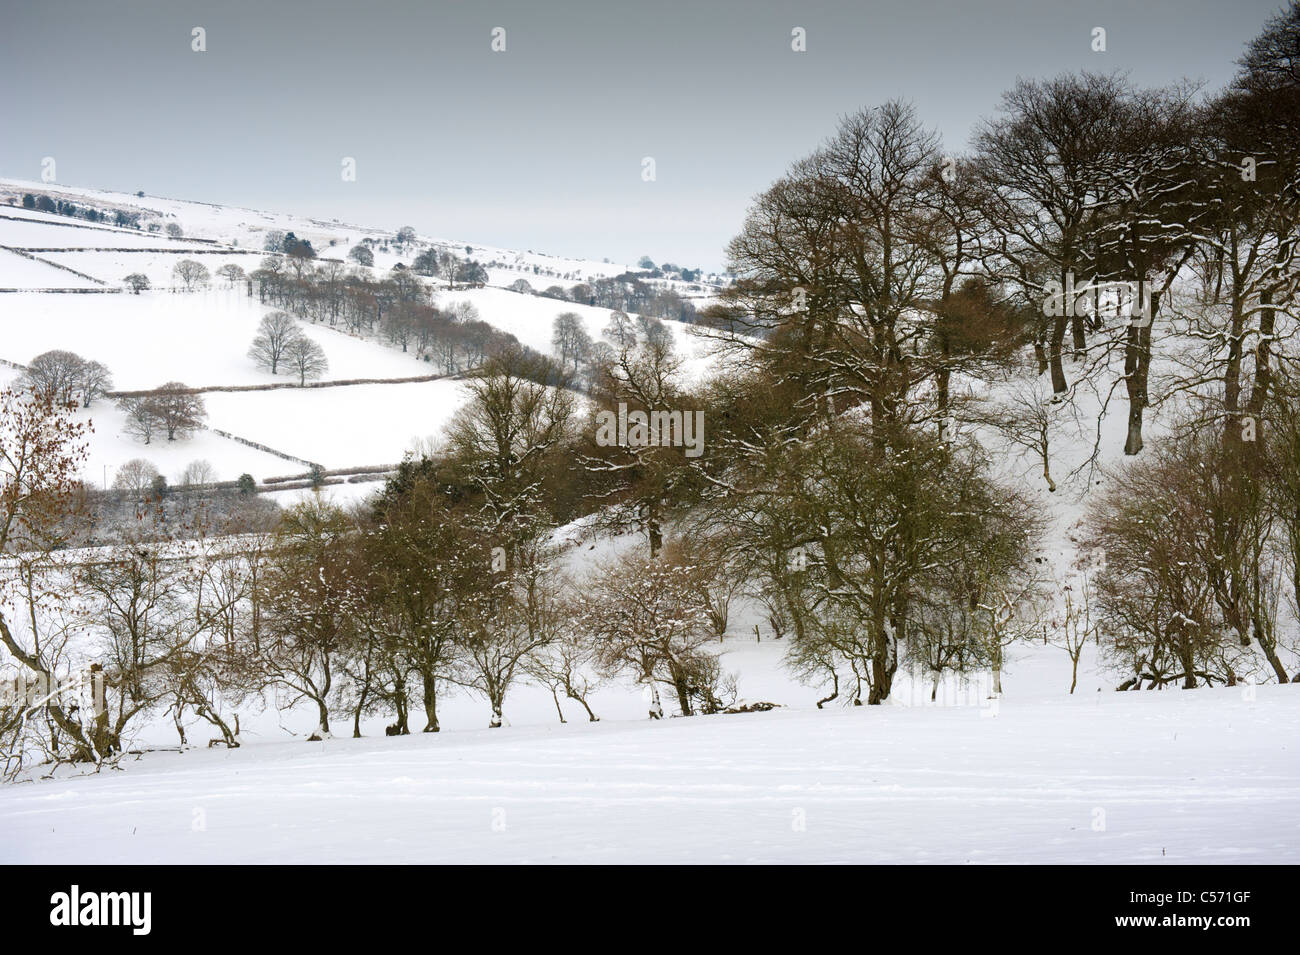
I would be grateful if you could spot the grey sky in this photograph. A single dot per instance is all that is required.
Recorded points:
(540, 146)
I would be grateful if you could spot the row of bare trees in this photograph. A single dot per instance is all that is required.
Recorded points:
(398, 308)
(448, 578)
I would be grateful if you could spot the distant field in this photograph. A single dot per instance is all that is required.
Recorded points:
(200, 338)
(71, 234)
(112, 267)
(18, 271)
(339, 427)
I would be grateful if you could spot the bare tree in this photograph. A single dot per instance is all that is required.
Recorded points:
(1043, 163)
(93, 381)
(1074, 626)
(567, 664)
(1158, 596)
(198, 473)
(570, 340)
(179, 411)
(136, 476)
(649, 621)
(271, 343)
(54, 376)
(190, 274)
(305, 357)
(41, 451)
(311, 601)
(1025, 415)
(141, 417)
(232, 273)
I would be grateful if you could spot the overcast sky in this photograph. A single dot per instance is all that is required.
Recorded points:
(540, 146)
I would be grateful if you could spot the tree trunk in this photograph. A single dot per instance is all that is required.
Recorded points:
(1040, 354)
(430, 703)
(1137, 373)
(656, 705)
(1059, 385)
(323, 725)
(1232, 379)
(1263, 360)
(683, 692)
(884, 662)
(401, 705)
(835, 690)
(656, 535)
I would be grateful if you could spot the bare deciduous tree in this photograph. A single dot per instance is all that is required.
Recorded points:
(136, 476)
(232, 273)
(190, 274)
(179, 411)
(271, 343)
(305, 357)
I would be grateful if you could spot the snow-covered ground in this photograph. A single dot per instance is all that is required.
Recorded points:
(200, 338)
(112, 267)
(23, 272)
(72, 234)
(1199, 777)
(353, 426)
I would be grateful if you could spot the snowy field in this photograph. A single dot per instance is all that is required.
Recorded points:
(74, 235)
(200, 338)
(18, 271)
(1202, 777)
(112, 267)
(351, 426)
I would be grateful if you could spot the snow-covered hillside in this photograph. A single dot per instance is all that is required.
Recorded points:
(69, 272)
(246, 229)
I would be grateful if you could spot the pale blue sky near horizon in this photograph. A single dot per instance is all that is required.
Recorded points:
(540, 146)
